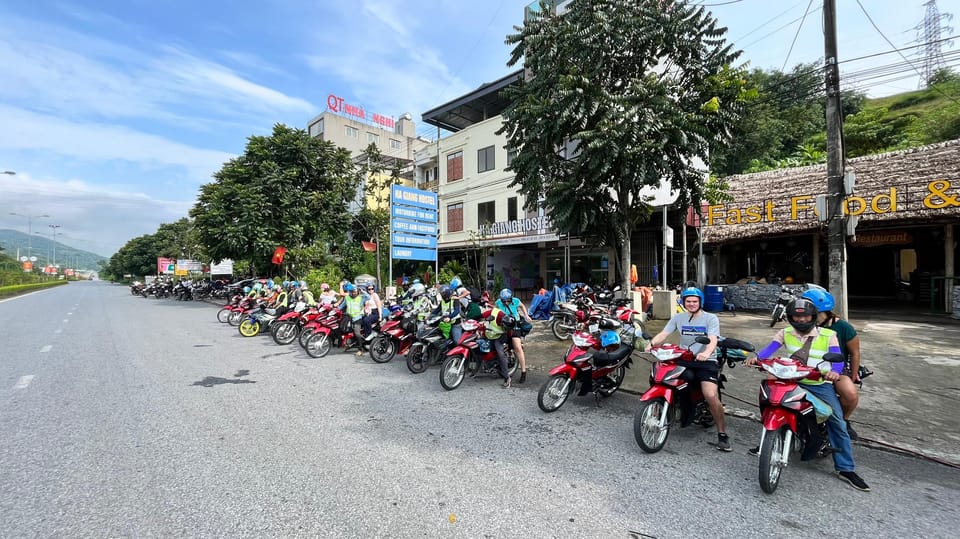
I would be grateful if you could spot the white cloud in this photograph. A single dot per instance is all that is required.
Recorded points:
(26, 130)
(90, 217)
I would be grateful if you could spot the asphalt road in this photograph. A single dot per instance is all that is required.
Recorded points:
(125, 416)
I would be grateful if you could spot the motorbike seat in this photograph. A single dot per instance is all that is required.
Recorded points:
(603, 359)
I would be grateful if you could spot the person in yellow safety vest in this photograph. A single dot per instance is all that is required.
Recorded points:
(498, 322)
(352, 306)
(801, 315)
(307, 294)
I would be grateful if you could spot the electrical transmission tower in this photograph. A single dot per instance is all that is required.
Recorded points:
(928, 34)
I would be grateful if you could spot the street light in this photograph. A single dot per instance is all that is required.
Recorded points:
(54, 227)
(30, 219)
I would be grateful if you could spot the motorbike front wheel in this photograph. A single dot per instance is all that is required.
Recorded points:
(318, 345)
(284, 332)
(554, 392)
(305, 334)
(248, 328)
(453, 372)
(777, 315)
(562, 325)
(770, 462)
(417, 361)
(235, 318)
(382, 349)
(223, 315)
(650, 434)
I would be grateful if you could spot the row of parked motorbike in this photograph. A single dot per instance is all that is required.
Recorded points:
(604, 338)
(183, 290)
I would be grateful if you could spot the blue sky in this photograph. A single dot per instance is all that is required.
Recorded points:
(114, 113)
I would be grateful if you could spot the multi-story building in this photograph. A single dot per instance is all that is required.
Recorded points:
(468, 170)
(353, 128)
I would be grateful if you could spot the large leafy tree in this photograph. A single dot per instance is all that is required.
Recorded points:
(286, 189)
(619, 96)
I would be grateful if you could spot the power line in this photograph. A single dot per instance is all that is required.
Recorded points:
(765, 36)
(764, 25)
(795, 36)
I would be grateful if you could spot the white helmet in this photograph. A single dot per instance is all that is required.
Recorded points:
(417, 290)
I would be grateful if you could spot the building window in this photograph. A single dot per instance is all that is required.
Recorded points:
(512, 209)
(511, 155)
(485, 159)
(394, 144)
(373, 137)
(316, 130)
(486, 213)
(351, 132)
(455, 217)
(454, 166)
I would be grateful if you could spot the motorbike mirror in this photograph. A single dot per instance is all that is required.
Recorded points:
(702, 340)
(646, 336)
(616, 288)
(833, 357)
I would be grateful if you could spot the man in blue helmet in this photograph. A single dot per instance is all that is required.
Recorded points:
(692, 323)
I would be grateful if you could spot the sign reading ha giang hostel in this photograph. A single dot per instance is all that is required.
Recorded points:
(414, 220)
(529, 230)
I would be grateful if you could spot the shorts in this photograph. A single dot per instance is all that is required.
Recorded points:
(704, 371)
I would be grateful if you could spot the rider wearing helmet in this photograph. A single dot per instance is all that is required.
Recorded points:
(449, 309)
(515, 308)
(498, 325)
(372, 309)
(307, 294)
(352, 306)
(327, 295)
(804, 338)
(849, 347)
(694, 322)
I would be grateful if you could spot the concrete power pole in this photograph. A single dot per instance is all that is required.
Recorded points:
(836, 226)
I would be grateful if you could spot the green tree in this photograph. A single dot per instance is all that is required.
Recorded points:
(373, 221)
(286, 189)
(620, 96)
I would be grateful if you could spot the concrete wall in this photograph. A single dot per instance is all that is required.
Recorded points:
(956, 302)
(753, 297)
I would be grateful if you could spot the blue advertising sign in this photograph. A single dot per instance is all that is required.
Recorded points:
(402, 225)
(409, 196)
(409, 253)
(403, 212)
(412, 240)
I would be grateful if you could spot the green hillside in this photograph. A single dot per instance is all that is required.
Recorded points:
(42, 248)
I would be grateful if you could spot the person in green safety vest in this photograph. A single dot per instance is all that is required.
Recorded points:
(352, 307)
(498, 324)
(449, 308)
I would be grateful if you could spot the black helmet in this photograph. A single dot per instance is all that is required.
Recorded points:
(508, 321)
(799, 307)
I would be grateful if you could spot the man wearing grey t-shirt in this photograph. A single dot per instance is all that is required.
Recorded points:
(693, 323)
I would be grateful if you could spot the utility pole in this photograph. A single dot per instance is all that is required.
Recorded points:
(836, 226)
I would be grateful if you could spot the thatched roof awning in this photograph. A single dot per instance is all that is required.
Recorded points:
(918, 185)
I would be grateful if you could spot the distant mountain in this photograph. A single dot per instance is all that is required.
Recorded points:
(42, 248)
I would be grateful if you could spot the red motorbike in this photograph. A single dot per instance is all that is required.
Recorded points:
(224, 313)
(287, 328)
(394, 337)
(327, 332)
(582, 372)
(674, 396)
(792, 419)
(473, 354)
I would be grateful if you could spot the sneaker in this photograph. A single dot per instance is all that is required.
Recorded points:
(854, 480)
(523, 377)
(359, 353)
(506, 383)
(755, 451)
(723, 442)
(853, 434)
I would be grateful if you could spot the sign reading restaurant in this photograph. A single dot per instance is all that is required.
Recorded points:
(935, 195)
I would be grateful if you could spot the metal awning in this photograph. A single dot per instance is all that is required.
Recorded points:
(481, 104)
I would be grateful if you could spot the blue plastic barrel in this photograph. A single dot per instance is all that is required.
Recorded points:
(714, 294)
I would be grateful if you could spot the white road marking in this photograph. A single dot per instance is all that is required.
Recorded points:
(65, 320)
(46, 349)
(70, 313)
(58, 331)
(23, 382)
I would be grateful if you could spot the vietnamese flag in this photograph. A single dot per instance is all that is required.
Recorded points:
(278, 254)
(369, 246)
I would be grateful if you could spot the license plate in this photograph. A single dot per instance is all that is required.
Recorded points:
(594, 328)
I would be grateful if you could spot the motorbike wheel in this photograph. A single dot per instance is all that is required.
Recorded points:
(248, 328)
(284, 332)
(512, 363)
(417, 360)
(223, 315)
(318, 345)
(617, 376)
(554, 392)
(235, 318)
(382, 349)
(777, 315)
(560, 332)
(770, 465)
(453, 372)
(305, 334)
(651, 436)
